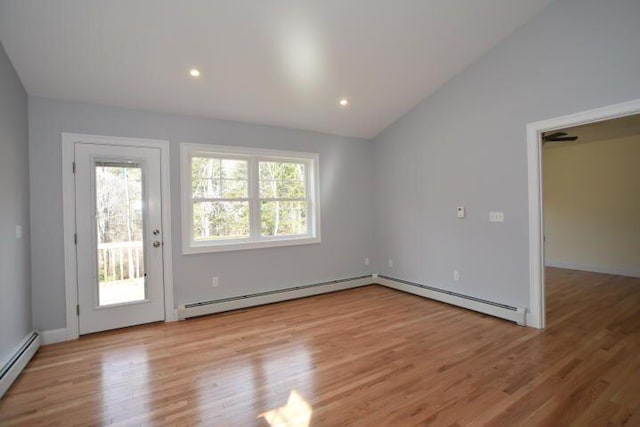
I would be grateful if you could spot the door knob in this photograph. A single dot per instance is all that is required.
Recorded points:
(156, 244)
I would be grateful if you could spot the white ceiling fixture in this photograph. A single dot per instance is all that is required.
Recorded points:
(279, 63)
(343, 102)
(194, 72)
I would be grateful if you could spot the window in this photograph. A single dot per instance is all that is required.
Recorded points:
(241, 198)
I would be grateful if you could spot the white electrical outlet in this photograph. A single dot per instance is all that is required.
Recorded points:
(18, 232)
(456, 275)
(496, 216)
(391, 263)
(215, 282)
(366, 261)
(460, 211)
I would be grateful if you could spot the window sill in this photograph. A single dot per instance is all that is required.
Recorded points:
(240, 246)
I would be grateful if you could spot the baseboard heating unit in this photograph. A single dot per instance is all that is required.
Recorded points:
(17, 360)
(503, 311)
(233, 303)
(515, 314)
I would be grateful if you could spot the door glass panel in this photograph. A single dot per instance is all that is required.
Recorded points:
(120, 225)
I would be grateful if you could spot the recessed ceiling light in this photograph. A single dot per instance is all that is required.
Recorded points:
(194, 72)
(343, 102)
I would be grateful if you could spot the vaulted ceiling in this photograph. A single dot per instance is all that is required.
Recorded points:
(276, 62)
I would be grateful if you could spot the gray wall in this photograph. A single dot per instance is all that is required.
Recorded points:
(15, 289)
(346, 200)
(466, 145)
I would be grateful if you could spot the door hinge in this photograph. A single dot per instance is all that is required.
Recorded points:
(78, 309)
(75, 238)
(73, 167)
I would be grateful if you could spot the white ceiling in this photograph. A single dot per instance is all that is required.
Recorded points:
(277, 62)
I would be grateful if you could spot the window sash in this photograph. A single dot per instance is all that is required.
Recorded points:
(219, 179)
(308, 199)
(257, 217)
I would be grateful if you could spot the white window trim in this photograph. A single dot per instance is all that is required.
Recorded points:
(189, 246)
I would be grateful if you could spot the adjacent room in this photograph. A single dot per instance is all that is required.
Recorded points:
(591, 197)
(319, 213)
(591, 204)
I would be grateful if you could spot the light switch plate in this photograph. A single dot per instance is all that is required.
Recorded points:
(460, 211)
(496, 216)
(18, 232)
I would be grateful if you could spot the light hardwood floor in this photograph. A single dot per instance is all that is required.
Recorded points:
(363, 357)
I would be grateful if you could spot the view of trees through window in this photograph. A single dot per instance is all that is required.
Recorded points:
(222, 202)
(119, 224)
(220, 191)
(283, 204)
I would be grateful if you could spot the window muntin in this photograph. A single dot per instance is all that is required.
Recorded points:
(240, 198)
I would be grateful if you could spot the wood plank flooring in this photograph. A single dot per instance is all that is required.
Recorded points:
(363, 357)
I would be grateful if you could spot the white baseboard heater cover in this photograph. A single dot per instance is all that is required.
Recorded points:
(503, 311)
(17, 360)
(515, 314)
(233, 303)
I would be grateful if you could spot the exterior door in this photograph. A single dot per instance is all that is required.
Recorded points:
(119, 236)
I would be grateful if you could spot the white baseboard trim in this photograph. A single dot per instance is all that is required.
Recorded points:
(594, 268)
(503, 311)
(17, 360)
(53, 336)
(217, 306)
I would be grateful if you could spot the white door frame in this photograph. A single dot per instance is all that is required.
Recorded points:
(69, 212)
(536, 317)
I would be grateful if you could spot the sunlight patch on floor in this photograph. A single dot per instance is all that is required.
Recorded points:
(295, 413)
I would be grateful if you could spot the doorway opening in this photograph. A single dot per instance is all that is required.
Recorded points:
(591, 207)
(556, 128)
